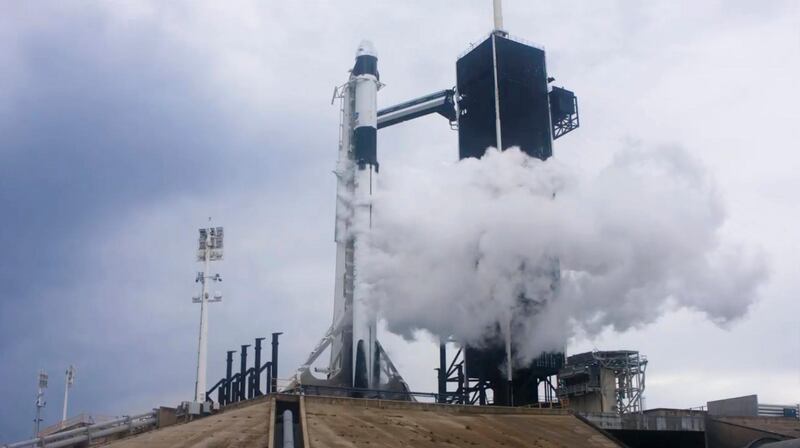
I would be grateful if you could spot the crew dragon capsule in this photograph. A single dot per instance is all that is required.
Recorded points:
(365, 78)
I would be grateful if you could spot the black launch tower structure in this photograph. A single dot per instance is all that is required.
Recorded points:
(502, 99)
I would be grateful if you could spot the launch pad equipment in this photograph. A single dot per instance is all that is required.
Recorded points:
(502, 99)
(604, 381)
(246, 384)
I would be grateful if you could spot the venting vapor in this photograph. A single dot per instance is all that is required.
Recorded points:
(452, 250)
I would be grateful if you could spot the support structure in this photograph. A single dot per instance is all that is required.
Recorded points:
(243, 372)
(210, 246)
(229, 376)
(441, 102)
(604, 381)
(246, 383)
(273, 376)
(474, 377)
(256, 385)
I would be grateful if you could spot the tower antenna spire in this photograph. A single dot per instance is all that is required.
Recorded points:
(498, 15)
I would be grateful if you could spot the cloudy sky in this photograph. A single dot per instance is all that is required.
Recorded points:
(124, 126)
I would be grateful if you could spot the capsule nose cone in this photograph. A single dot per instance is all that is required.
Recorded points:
(365, 48)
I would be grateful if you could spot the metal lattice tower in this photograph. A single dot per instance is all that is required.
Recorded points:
(629, 368)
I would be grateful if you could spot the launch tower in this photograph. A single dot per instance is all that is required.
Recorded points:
(502, 99)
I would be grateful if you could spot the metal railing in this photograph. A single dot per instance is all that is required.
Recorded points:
(308, 389)
(89, 433)
(73, 422)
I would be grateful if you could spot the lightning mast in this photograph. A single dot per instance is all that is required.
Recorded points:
(209, 249)
(40, 403)
(68, 381)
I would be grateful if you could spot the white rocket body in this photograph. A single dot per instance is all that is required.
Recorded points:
(354, 349)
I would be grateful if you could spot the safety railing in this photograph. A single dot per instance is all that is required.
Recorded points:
(89, 433)
(308, 389)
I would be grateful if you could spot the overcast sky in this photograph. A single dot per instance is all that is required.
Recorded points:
(125, 125)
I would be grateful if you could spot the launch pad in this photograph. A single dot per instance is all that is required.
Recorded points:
(502, 99)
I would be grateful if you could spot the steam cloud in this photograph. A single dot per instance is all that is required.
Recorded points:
(453, 250)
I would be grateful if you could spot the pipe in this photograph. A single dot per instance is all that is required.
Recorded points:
(274, 385)
(498, 15)
(288, 429)
(251, 387)
(269, 377)
(257, 368)
(498, 126)
(509, 365)
(243, 373)
(219, 386)
(442, 376)
(228, 376)
(461, 386)
(82, 434)
(235, 388)
(102, 433)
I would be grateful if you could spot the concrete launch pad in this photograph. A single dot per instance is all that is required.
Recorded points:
(350, 422)
(347, 422)
(239, 426)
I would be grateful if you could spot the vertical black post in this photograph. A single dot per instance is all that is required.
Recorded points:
(462, 388)
(274, 385)
(251, 383)
(269, 377)
(481, 390)
(257, 368)
(442, 377)
(228, 376)
(235, 388)
(376, 366)
(243, 372)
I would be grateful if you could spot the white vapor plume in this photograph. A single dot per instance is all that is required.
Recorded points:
(458, 250)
